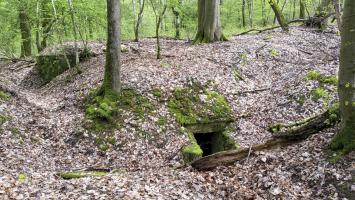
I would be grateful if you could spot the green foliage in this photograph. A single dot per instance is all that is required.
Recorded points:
(91, 20)
(22, 178)
(193, 105)
(274, 53)
(157, 92)
(323, 91)
(4, 96)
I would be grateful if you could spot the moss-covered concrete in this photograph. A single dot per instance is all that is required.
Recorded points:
(191, 152)
(103, 113)
(50, 66)
(201, 111)
(196, 105)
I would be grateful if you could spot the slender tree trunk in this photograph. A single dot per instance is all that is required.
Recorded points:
(263, 12)
(279, 15)
(25, 28)
(345, 139)
(251, 11)
(71, 9)
(177, 21)
(337, 9)
(139, 20)
(294, 9)
(243, 14)
(302, 10)
(112, 77)
(158, 24)
(91, 31)
(209, 22)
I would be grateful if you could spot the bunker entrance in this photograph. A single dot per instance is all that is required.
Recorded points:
(205, 141)
(213, 142)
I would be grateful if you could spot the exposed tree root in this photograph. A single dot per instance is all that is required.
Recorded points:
(284, 134)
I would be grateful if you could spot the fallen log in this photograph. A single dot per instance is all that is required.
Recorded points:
(283, 135)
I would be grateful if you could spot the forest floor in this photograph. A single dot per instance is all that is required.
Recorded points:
(42, 132)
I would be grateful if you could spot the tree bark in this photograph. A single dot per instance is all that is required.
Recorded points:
(177, 20)
(344, 141)
(280, 17)
(71, 9)
(209, 22)
(337, 9)
(26, 37)
(112, 76)
(302, 10)
(139, 20)
(243, 14)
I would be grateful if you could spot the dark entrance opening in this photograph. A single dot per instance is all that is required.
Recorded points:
(205, 141)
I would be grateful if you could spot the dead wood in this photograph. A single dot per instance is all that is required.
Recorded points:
(284, 134)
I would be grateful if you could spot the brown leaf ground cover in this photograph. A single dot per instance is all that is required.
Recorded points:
(263, 78)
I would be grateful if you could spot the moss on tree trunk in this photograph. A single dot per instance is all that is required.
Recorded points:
(344, 141)
(279, 16)
(25, 28)
(209, 22)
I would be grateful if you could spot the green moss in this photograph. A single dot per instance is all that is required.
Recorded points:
(343, 142)
(22, 178)
(195, 105)
(274, 53)
(104, 147)
(103, 109)
(50, 66)
(15, 131)
(313, 75)
(191, 153)
(81, 174)
(162, 121)
(4, 96)
(157, 92)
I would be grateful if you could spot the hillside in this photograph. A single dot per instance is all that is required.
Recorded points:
(262, 77)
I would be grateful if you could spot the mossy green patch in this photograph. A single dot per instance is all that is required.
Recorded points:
(104, 109)
(162, 121)
(22, 178)
(81, 174)
(4, 96)
(191, 152)
(196, 105)
(157, 92)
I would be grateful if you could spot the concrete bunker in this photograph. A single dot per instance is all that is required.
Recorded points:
(206, 118)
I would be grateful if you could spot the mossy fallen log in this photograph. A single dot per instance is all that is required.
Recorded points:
(283, 135)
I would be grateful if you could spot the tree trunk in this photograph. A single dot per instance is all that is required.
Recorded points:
(243, 14)
(280, 17)
(177, 21)
(209, 22)
(112, 77)
(139, 20)
(251, 12)
(302, 10)
(25, 28)
(337, 9)
(345, 139)
(263, 12)
(323, 10)
(294, 9)
(71, 9)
